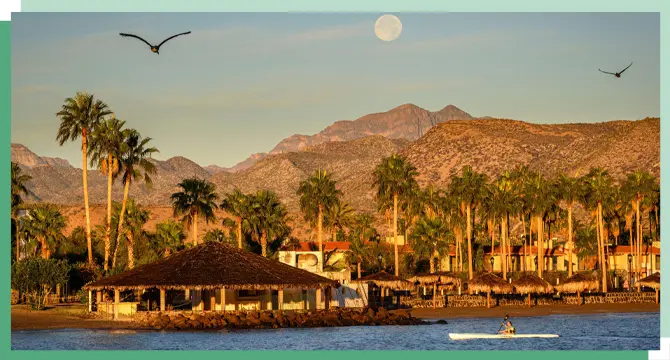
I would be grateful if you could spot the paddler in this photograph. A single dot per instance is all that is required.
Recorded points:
(509, 328)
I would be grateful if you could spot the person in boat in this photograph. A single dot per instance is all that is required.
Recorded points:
(509, 328)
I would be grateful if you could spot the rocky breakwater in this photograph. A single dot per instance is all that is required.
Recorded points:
(274, 320)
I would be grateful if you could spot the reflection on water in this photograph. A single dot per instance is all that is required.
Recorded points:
(638, 331)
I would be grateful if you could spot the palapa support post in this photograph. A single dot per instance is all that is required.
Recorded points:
(435, 295)
(90, 301)
(117, 301)
(657, 296)
(579, 298)
(98, 300)
(317, 303)
(328, 296)
(223, 299)
(280, 299)
(529, 305)
(212, 299)
(381, 293)
(488, 299)
(162, 295)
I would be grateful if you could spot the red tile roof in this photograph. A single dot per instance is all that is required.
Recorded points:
(519, 250)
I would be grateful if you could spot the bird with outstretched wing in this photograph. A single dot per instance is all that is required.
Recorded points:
(618, 74)
(154, 48)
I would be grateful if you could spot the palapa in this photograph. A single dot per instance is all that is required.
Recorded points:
(578, 283)
(385, 280)
(213, 265)
(652, 281)
(440, 277)
(529, 283)
(488, 282)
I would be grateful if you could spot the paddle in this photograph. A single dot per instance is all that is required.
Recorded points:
(503, 323)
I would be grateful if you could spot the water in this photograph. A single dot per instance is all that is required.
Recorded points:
(635, 331)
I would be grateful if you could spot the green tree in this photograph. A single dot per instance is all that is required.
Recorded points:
(267, 218)
(539, 197)
(394, 179)
(78, 116)
(430, 239)
(236, 204)
(338, 217)
(197, 197)
(45, 224)
(169, 237)
(318, 194)
(598, 192)
(571, 191)
(218, 235)
(104, 150)
(37, 276)
(18, 188)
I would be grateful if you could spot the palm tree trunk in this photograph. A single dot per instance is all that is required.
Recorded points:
(116, 250)
(503, 249)
(639, 243)
(432, 264)
(131, 241)
(602, 246)
(335, 235)
(264, 244)
(395, 234)
(523, 225)
(509, 244)
(18, 238)
(358, 266)
(195, 228)
(239, 232)
(108, 232)
(469, 236)
(540, 247)
(120, 225)
(84, 143)
(43, 248)
(570, 240)
(319, 229)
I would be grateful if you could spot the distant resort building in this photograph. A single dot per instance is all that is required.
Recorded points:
(210, 277)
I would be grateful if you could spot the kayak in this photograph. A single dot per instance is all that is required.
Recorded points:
(499, 336)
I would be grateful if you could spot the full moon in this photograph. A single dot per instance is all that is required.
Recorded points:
(388, 27)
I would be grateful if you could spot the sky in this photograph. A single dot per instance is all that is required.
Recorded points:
(242, 82)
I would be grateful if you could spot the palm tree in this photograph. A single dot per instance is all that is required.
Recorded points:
(317, 194)
(135, 164)
(45, 224)
(598, 191)
(78, 116)
(469, 187)
(105, 149)
(639, 185)
(217, 235)
(570, 190)
(504, 202)
(362, 233)
(235, 204)
(338, 217)
(267, 218)
(429, 239)
(135, 219)
(539, 197)
(18, 188)
(197, 197)
(394, 179)
(169, 236)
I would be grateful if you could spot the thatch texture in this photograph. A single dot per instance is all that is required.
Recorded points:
(530, 283)
(578, 283)
(213, 265)
(440, 277)
(487, 282)
(652, 281)
(385, 280)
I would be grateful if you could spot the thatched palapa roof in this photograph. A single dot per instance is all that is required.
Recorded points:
(214, 265)
(386, 280)
(488, 282)
(530, 283)
(579, 283)
(440, 277)
(652, 281)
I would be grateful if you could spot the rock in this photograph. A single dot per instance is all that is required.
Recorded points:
(441, 322)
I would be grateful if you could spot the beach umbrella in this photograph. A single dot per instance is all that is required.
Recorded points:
(652, 281)
(487, 282)
(530, 283)
(578, 283)
(435, 279)
(385, 280)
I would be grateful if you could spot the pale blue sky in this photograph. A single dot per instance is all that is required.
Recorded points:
(240, 83)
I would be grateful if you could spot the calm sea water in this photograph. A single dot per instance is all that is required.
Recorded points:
(637, 331)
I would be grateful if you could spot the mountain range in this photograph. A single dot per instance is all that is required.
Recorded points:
(447, 140)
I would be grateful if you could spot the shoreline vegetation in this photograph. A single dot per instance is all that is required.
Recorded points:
(74, 316)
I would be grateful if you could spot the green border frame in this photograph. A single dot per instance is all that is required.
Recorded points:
(314, 6)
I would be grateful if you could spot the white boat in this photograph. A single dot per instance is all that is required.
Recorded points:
(498, 336)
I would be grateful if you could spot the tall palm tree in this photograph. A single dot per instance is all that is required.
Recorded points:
(539, 197)
(521, 176)
(235, 204)
(639, 185)
(197, 197)
(395, 179)
(317, 194)
(135, 219)
(169, 236)
(78, 116)
(362, 233)
(338, 217)
(135, 163)
(570, 190)
(45, 223)
(267, 218)
(598, 191)
(469, 187)
(18, 188)
(505, 202)
(105, 149)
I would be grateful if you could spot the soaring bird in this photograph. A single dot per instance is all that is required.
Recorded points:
(154, 48)
(617, 74)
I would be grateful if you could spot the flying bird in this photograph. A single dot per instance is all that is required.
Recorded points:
(154, 48)
(617, 74)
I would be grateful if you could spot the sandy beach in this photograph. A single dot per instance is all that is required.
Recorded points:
(74, 317)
